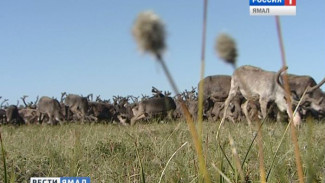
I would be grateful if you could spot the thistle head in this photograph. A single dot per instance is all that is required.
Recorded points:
(226, 49)
(149, 33)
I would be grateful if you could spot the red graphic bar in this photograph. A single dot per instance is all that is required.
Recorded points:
(290, 2)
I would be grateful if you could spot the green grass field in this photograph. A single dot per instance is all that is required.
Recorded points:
(108, 153)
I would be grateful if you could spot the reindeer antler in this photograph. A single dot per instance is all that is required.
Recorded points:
(23, 99)
(62, 96)
(157, 93)
(193, 89)
(115, 100)
(144, 96)
(155, 90)
(1, 105)
(167, 93)
(90, 97)
(98, 99)
(36, 99)
(134, 99)
(311, 89)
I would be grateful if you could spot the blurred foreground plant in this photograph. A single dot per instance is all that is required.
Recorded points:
(3, 156)
(149, 32)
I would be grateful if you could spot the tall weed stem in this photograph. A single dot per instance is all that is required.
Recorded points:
(288, 98)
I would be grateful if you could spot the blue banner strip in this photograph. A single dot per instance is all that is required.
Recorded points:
(266, 2)
(75, 179)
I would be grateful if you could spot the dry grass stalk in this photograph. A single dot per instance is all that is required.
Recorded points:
(201, 84)
(310, 168)
(5, 176)
(197, 143)
(142, 174)
(288, 98)
(283, 135)
(163, 172)
(260, 153)
(221, 173)
(237, 161)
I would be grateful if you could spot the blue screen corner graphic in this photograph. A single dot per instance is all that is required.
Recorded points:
(267, 2)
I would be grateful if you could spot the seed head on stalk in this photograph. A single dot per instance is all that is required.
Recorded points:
(226, 49)
(149, 32)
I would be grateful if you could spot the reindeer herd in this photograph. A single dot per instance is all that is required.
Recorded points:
(249, 94)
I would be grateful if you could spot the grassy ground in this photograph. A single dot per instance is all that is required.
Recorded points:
(108, 153)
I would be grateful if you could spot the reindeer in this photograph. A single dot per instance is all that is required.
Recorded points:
(156, 105)
(257, 84)
(52, 108)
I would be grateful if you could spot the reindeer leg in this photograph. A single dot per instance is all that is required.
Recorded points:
(40, 118)
(263, 104)
(136, 118)
(232, 94)
(246, 113)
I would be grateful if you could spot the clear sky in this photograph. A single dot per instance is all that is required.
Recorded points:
(82, 47)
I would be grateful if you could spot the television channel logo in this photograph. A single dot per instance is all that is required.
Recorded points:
(60, 180)
(272, 7)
